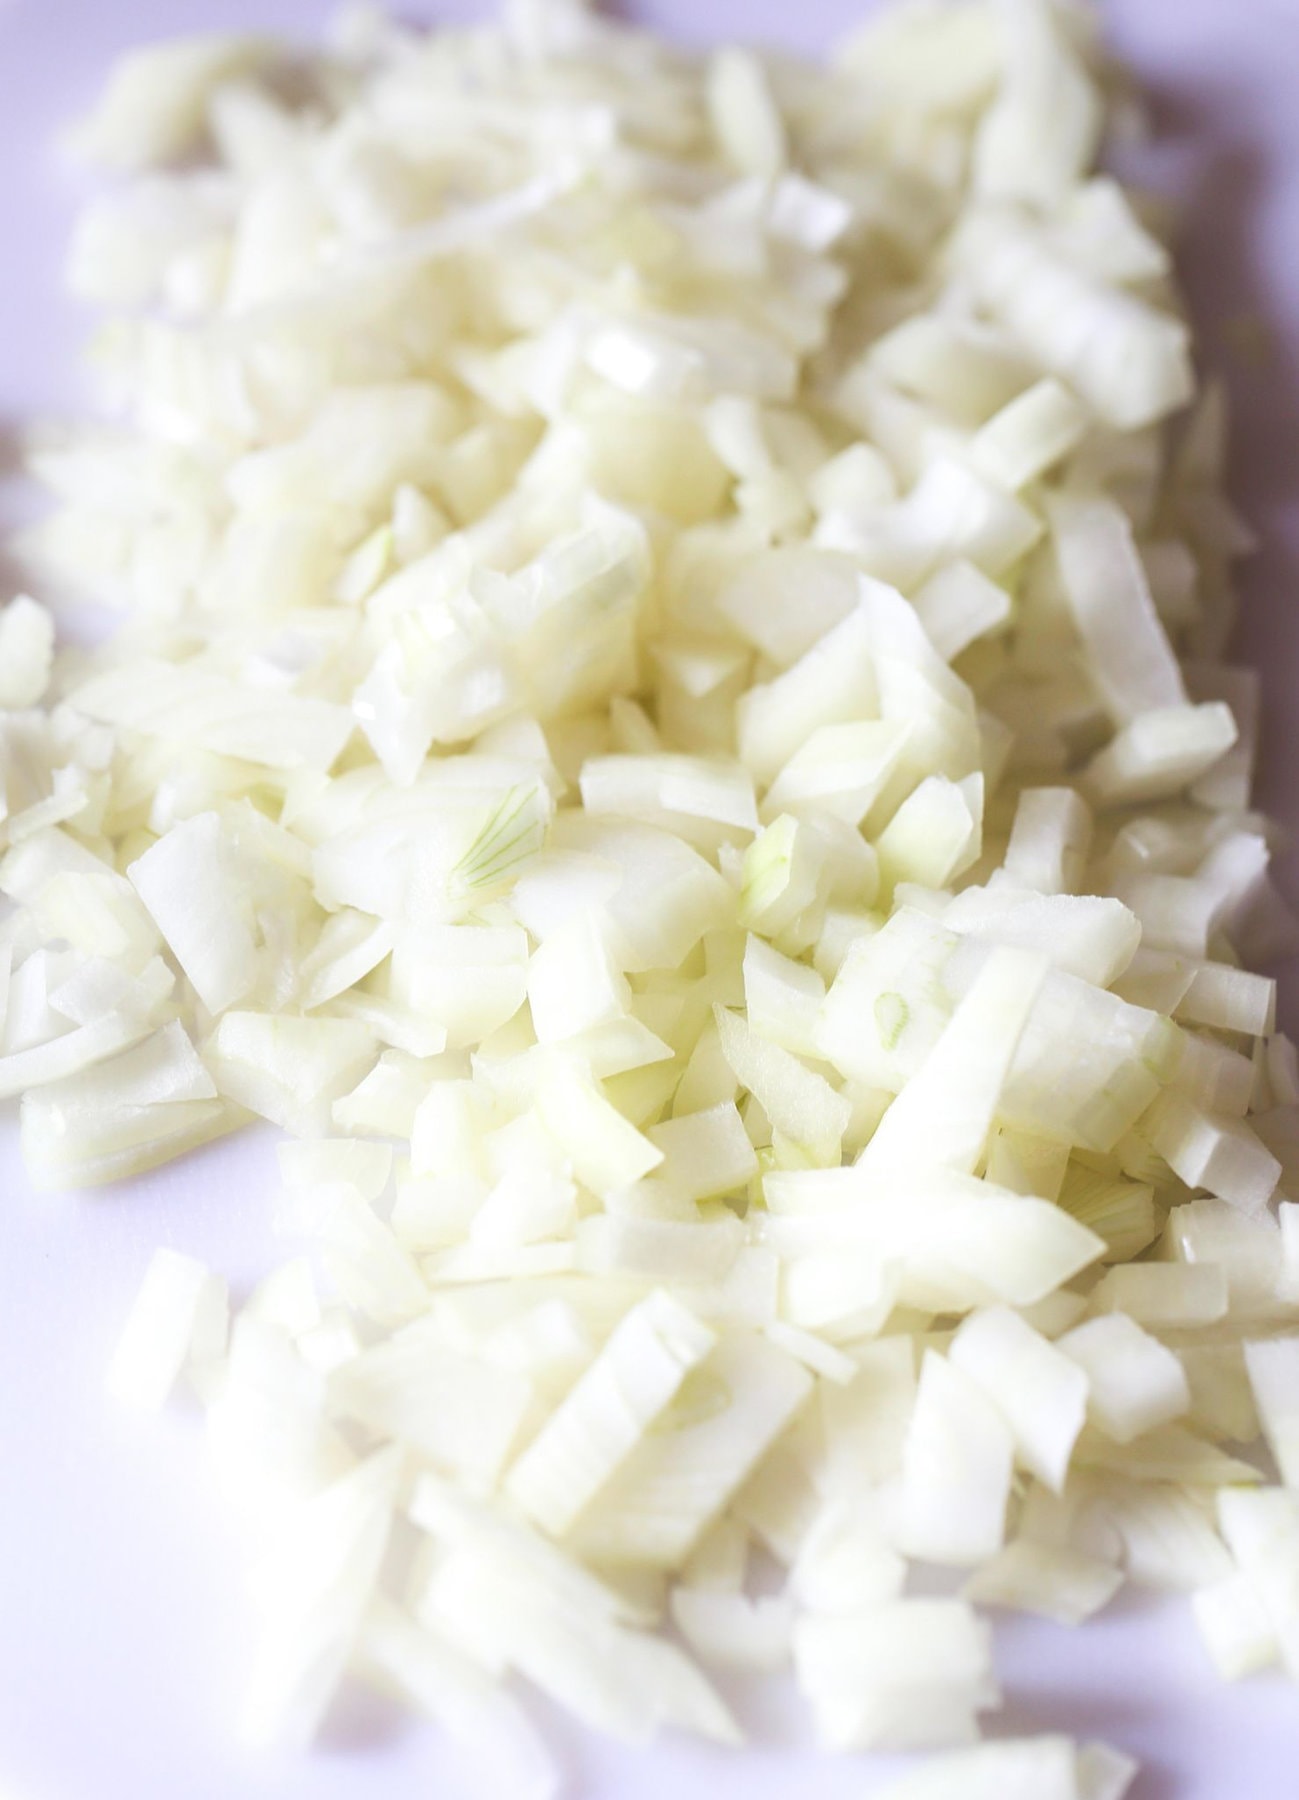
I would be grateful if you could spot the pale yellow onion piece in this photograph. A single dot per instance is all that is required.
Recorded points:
(26, 652)
(516, 736)
(600, 1422)
(181, 1313)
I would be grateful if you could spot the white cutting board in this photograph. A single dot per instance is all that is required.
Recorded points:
(122, 1636)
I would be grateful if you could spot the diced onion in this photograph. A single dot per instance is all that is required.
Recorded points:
(672, 734)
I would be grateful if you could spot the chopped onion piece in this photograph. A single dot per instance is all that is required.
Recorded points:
(491, 1725)
(1220, 1154)
(190, 883)
(705, 1153)
(314, 1594)
(1235, 1627)
(1134, 1383)
(153, 107)
(600, 1422)
(1164, 1295)
(955, 1470)
(1160, 752)
(801, 1105)
(1273, 1364)
(730, 1632)
(678, 1479)
(454, 1410)
(959, 605)
(1047, 1579)
(26, 652)
(908, 1675)
(744, 116)
(1130, 656)
(180, 1315)
(1030, 434)
(943, 1115)
(1040, 1391)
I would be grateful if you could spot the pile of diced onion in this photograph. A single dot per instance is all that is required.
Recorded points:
(671, 730)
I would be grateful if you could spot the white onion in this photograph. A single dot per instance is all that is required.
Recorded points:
(671, 733)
